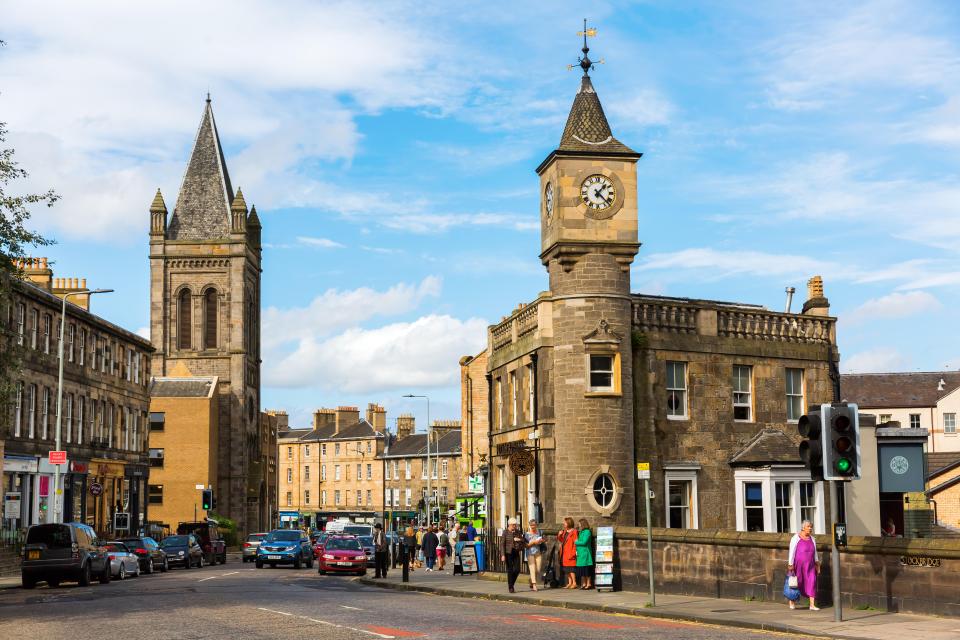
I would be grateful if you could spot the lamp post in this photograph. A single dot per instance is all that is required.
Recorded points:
(57, 499)
(429, 468)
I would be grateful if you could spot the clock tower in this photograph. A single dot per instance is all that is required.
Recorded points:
(588, 213)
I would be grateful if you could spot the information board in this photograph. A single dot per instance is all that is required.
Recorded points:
(603, 575)
(468, 558)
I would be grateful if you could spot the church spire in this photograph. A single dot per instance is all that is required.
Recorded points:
(203, 206)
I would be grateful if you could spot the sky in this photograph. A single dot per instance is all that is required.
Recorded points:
(390, 148)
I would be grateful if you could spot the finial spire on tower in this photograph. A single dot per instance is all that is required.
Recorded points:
(584, 61)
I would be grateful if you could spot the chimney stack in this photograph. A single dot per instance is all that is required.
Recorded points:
(324, 418)
(406, 423)
(816, 304)
(377, 417)
(346, 417)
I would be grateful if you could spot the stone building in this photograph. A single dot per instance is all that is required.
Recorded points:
(332, 470)
(103, 412)
(405, 470)
(205, 265)
(589, 378)
(475, 418)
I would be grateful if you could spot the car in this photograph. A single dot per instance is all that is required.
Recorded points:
(285, 546)
(250, 546)
(59, 552)
(152, 557)
(318, 542)
(343, 554)
(123, 562)
(367, 543)
(346, 527)
(214, 547)
(183, 550)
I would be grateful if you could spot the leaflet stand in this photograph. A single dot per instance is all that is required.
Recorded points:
(603, 578)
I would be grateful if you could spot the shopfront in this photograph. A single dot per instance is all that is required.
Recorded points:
(19, 473)
(75, 491)
(108, 492)
(136, 504)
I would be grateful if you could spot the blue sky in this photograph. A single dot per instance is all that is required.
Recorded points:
(390, 150)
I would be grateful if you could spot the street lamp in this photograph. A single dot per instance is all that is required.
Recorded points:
(57, 498)
(429, 468)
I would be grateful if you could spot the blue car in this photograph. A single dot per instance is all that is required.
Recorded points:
(285, 546)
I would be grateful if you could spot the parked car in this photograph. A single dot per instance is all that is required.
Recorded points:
(318, 542)
(214, 547)
(367, 543)
(152, 557)
(123, 562)
(343, 554)
(285, 546)
(63, 552)
(346, 527)
(183, 550)
(250, 546)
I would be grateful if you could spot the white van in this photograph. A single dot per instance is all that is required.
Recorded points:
(349, 528)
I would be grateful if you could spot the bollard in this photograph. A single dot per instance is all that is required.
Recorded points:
(406, 563)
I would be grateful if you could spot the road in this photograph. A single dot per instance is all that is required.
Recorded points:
(236, 601)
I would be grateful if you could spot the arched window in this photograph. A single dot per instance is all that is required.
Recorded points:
(210, 319)
(185, 320)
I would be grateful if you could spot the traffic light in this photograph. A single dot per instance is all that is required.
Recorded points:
(206, 500)
(841, 453)
(810, 427)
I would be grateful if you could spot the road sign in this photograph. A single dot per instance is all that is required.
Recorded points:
(96, 489)
(643, 471)
(57, 457)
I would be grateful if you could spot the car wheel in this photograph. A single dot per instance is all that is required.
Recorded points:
(137, 574)
(122, 573)
(28, 582)
(296, 563)
(165, 566)
(223, 557)
(150, 567)
(84, 579)
(106, 574)
(53, 583)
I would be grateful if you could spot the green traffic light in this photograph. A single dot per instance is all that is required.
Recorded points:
(843, 465)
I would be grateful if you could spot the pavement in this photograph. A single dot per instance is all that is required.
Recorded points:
(768, 616)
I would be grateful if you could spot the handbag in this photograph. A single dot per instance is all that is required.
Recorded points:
(793, 582)
(791, 593)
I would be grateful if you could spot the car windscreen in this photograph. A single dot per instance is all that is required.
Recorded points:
(117, 547)
(175, 541)
(283, 536)
(366, 541)
(55, 536)
(356, 531)
(343, 544)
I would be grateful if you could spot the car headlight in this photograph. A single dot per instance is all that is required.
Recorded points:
(327, 556)
(180, 553)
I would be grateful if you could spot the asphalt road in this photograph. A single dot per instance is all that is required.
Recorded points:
(236, 601)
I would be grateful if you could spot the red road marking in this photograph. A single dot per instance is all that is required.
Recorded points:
(573, 623)
(389, 631)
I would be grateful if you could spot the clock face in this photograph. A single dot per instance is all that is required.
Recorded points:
(899, 465)
(548, 199)
(598, 192)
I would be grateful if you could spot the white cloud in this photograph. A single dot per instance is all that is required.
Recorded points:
(418, 354)
(878, 360)
(894, 305)
(645, 108)
(322, 243)
(717, 264)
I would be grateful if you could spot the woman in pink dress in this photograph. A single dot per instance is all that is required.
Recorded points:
(804, 562)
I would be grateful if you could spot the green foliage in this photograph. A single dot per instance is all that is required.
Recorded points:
(639, 340)
(227, 528)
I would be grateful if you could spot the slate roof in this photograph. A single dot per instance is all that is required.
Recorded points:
(203, 205)
(361, 429)
(897, 390)
(416, 445)
(195, 387)
(938, 462)
(769, 446)
(587, 128)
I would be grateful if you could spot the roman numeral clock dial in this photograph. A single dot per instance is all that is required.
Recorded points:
(598, 193)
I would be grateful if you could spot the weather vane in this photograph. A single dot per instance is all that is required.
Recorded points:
(584, 62)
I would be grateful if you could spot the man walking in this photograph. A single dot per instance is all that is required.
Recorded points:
(379, 551)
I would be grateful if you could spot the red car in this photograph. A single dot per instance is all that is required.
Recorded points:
(318, 543)
(343, 554)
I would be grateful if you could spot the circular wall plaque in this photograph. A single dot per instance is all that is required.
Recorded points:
(521, 462)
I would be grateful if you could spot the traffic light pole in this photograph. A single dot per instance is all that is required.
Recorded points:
(835, 552)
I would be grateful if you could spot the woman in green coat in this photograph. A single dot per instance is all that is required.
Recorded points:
(585, 554)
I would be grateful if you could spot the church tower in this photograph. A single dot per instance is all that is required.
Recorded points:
(205, 266)
(588, 214)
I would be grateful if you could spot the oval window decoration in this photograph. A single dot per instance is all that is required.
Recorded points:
(603, 490)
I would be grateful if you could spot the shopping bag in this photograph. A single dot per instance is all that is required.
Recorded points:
(791, 593)
(793, 582)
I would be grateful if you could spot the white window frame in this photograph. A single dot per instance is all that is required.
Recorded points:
(306, 473)
(678, 474)
(444, 467)
(408, 470)
(531, 392)
(45, 414)
(911, 419)
(498, 396)
(21, 322)
(950, 424)
(514, 397)
(388, 498)
(336, 473)
(369, 471)
(323, 472)
(683, 390)
(18, 408)
(336, 449)
(306, 451)
(336, 497)
(68, 416)
(736, 375)
(802, 395)
(323, 497)
(407, 497)
(612, 387)
(396, 497)
(359, 497)
(306, 496)
(289, 475)
(32, 411)
(767, 478)
(34, 328)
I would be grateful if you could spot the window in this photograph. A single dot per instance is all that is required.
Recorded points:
(386, 471)
(498, 396)
(156, 458)
(68, 416)
(369, 497)
(601, 372)
(784, 507)
(336, 497)
(433, 469)
(443, 495)
(82, 344)
(100, 420)
(47, 329)
(742, 405)
(753, 505)
(808, 501)
(306, 497)
(407, 496)
(18, 410)
(359, 472)
(369, 448)
(949, 423)
(155, 494)
(323, 497)
(71, 334)
(323, 472)
(336, 449)
(45, 413)
(34, 328)
(676, 390)
(289, 498)
(306, 451)
(21, 322)
(603, 490)
(210, 319)
(137, 359)
(512, 389)
(681, 498)
(423, 469)
(359, 497)
(443, 469)
(184, 320)
(128, 372)
(32, 411)
(289, 453)
(914, 420)
(531, 392)
(289, 475)
(885, 417)
(306, 473)
(336, 474)
(388, 498)
(157, 421)
(323, 450)
(95, 343)
(408, 466)
(369, 472)
(794, 379)
(346, 472)
(396, 497)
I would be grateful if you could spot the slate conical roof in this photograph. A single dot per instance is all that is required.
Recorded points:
(203, 205)
(587, 128)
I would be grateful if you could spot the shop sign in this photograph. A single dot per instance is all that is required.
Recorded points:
(504, 449)
(475, 483)
(96, 489)
(79, 467)
(20, 465)
(121, 521)
(11, 505)
(521, 462)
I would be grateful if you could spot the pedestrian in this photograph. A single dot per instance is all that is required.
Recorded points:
(420, 546)
(512, 545)
(428, 546)
(471, 532)
(443, 544)
(455, 533)
(804, 562)
(585, 554)
(534, 552)
(379, 551)
(889, 530)
(410, 546)
(568, 552)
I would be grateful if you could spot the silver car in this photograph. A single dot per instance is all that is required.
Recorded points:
(251, 545)
(123, 562)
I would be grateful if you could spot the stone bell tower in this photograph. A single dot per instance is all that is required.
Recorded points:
(205, 310)
(588, 242)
